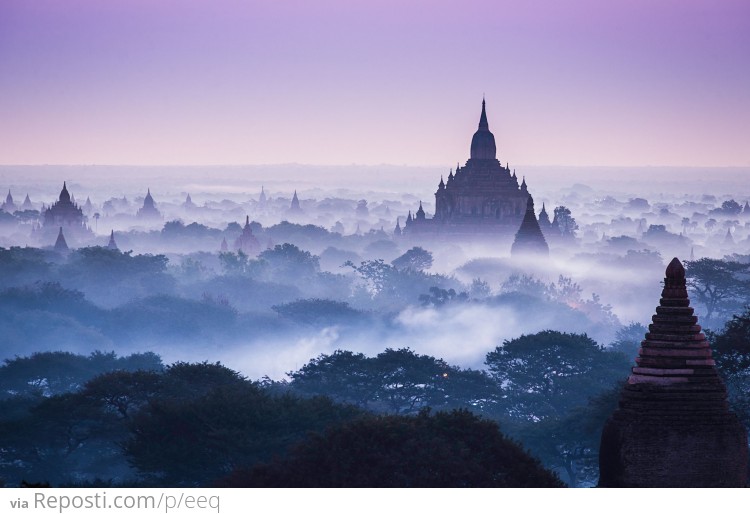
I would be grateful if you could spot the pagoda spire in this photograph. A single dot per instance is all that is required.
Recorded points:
(112, 245)
(483, 124)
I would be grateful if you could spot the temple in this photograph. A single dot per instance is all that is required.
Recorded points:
(480, 198)
(27, 205)
(112, 245)
(295, 207)
(60, 245)
(8, 205)
(65, 213)
(529, 239)
(247, 243)
(149, 210)
(673, 427)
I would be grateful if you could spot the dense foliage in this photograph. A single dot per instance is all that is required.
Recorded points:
(455, 449)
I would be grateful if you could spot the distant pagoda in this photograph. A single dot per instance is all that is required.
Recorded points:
(112, 245)
(27, 205)
(247, 242)
(60, 244)
(9, 205)
(149, 210)
(480, 199)
(65, 213)
(673, 427)
(529, 239)
(295, 206)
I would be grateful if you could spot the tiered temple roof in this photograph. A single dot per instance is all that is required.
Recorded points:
(673, 427)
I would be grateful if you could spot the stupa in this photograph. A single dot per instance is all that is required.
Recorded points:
(529, 239)
(673, 427)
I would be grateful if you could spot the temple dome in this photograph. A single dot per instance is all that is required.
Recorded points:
(483, 142)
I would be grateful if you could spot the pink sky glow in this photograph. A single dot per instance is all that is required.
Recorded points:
(626, 83)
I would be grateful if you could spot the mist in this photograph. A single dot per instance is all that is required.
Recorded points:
(172, 289)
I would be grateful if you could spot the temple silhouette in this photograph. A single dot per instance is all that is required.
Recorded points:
(149, 210)
(482, 198)
(64, 213)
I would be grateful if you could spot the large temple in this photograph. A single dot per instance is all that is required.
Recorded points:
(481, 198)
(64, 213)
(673, 427)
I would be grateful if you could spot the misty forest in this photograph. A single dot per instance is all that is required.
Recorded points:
(286, 333)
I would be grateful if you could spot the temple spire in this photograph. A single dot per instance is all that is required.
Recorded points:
(112, 245)
(483, 125)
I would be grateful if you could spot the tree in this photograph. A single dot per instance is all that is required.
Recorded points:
(628, 339)
(439, 297)
(288, 263)
(447, 449)
(565, 222)
(721, 286)
(546, 374)
(319, 312)
(196, 440)
(415, 259)
(570, 443)
(395, 381)
(731, 349)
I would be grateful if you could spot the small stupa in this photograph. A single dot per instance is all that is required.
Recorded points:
(60, 244)
(112, 245)
(529, 238)
(673, 427)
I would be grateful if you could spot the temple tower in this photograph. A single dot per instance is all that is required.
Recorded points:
(60, 244)
(247, 242)
(149, 210)
(295, 207)
(529, 239)
(673, 427)
(112, 245)
(9, 205)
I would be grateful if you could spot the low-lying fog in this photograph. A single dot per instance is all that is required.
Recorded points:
(270, 312)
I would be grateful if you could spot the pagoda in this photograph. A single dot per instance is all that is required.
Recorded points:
(295, 206)
(65, 213)
(247, 242)
(529, 239)
(27, 205)
(673, 427)
(112, 245)
(149, 210)
(9, 205)
(60, 245)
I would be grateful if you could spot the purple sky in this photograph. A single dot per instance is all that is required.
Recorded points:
(636, 82)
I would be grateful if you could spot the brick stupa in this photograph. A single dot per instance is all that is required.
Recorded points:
(673, 427)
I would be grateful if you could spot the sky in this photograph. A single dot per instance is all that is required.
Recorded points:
(336, 82)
